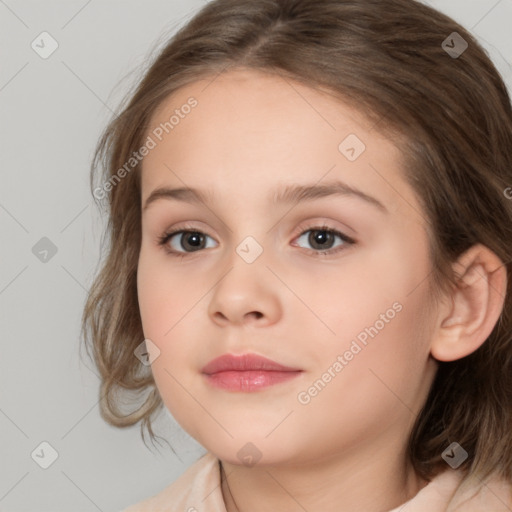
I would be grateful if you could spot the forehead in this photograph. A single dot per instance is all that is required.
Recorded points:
(250, 130)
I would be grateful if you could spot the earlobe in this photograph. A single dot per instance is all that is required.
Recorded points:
(475, 305)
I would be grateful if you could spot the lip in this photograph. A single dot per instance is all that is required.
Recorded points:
(244, 362)
(247, 372)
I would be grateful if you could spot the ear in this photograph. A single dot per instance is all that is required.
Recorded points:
(469, 315)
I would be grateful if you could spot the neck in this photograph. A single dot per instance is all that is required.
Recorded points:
(334, 483)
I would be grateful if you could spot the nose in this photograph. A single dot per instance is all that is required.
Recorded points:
(246, 294)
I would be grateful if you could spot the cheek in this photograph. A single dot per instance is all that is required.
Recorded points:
(380, 383)
(164, 297)
(387, 371)
(377, 311)
(166, 304)
(350, 301)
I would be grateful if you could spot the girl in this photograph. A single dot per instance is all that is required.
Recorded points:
(310, 229)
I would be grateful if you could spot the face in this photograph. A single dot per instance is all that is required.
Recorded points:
(328, 282)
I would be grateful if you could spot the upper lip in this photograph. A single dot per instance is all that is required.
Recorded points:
(244, 362)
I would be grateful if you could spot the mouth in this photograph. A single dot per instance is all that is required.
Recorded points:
(246, 373)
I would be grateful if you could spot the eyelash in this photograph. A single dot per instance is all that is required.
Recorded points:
(164, 239)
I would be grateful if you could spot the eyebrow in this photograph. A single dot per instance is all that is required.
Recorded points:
(291, 194)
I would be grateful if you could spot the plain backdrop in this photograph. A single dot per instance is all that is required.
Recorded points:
(52, 111)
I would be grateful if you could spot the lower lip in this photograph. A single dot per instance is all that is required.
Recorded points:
(251, 380)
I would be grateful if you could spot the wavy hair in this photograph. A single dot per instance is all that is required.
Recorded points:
(450, 116)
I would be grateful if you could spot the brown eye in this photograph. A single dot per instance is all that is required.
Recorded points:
(323, 239)
(184, 241)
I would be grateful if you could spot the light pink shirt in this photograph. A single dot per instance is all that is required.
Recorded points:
(199, 490)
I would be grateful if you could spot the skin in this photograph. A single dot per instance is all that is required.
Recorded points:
(344, 450)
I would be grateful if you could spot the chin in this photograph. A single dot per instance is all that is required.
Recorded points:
(250, 451)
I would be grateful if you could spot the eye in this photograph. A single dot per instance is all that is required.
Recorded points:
(189, 241)
(322, 238)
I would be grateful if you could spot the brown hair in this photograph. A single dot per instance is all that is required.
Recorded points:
(450, 116)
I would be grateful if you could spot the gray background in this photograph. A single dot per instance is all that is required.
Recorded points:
(52, 112)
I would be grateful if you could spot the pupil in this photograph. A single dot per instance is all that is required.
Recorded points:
(320, 238)
(196, 239)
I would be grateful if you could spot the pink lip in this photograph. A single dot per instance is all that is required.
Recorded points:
(248, 372)
(244, 362)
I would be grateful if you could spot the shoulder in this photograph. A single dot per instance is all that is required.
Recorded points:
(450, 492)
(494, 494)
(198, 488)
(435, 496)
